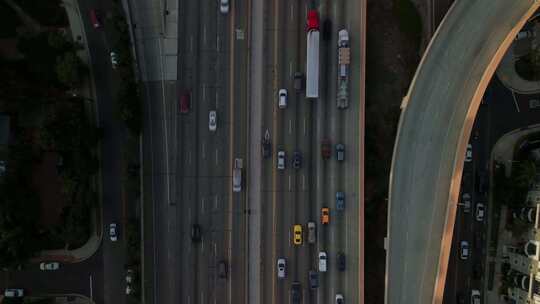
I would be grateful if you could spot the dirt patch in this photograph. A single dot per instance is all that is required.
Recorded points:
(49, 185)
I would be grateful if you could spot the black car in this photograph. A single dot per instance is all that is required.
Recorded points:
(222, 269)
(313, 278)
(327, 29)
(296, 293)
(266, 148)
(477, 271)
(460, 299)
(341, 261)
(195, 233)
(298, 81)
(297, 160)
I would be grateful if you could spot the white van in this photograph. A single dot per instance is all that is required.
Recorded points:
(322, 261)
(282, 98)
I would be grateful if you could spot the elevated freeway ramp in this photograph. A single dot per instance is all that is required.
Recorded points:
(437, 116)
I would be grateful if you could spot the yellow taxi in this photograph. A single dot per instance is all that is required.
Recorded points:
(297, 234)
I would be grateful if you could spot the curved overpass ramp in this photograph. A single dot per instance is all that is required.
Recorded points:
(436, 120)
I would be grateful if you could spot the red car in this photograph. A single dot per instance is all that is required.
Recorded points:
(95, 18)
(185, 102)
(312, 21)
(326, 149)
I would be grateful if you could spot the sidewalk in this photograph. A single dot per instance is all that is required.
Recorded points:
(87, 92)
(503, 152)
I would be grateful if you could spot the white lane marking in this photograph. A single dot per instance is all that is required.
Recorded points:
(290, 126)
(304, 183)
(292, 12)
(290, 183)
(188, 297)
(202, 297)
(203, 150)
(515, 100)
(204, 35)
(203, 92)
(191, 44)
(290, 68)
(217, 156)
(217, 43)
(217, 98)
(215, 202)
(90, 282)
(215, 250)
(190, 215)
(290, 243)
(202, 205)
(305, 126)
(189, 157)
(202, 245)
(318, 181)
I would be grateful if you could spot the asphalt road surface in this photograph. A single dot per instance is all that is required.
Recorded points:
(295, 196)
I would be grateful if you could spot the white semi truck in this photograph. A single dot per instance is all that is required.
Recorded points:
(312, 64)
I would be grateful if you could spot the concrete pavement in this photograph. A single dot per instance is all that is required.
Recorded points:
(437, 117)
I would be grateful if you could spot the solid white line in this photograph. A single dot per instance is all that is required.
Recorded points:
(515, 100)
(290, 183)
(203, 92)
(204, 35)
(292, 12)
(290, 126)
(91, 288)
(203, 150)
(290, 68)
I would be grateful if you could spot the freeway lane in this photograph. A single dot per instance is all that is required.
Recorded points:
(437, 117)
(295, 196)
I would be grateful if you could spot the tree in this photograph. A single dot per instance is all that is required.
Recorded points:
(525, 173)
(70, 69)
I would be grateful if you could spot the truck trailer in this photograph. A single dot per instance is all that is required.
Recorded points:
(312, 64)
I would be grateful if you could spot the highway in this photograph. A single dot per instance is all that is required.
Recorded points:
(437, 117)
(295, 196)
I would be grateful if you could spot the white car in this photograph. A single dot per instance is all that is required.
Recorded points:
(281, 268)
(464, 250)
(212, 120)
(339, 299)
(224, 6)
(282, 99)
(281, 160)
(468, 154)
(49, 266)
(114, 60)
(480, 212)
(13, 293)
(129, 276)
(475, 296)
(322, 261)
(129, 290)
(113, 234)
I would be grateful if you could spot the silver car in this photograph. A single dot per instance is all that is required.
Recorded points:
(212, 120)
(224, 6)
(49, 266)
(113, 234)
(281, 268)
(281, 160)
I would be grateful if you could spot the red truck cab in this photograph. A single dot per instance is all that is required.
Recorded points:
(312, 20)
(185, 102)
